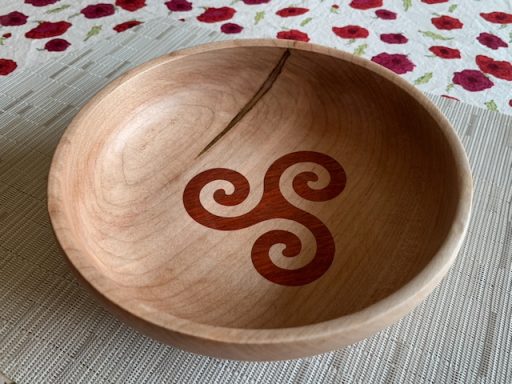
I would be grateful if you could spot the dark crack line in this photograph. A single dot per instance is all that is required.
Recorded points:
(265, 87)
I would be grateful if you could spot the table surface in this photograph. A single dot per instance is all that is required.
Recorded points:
(52, 331)
(446, 47)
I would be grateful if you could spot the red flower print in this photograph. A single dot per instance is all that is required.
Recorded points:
(7, 66)
(231, 28)
(13, 19)
(48, 29)
(293, 34)
(131, 5)
(510, 102)
(57, 45)
(213, 15)
(434, 1)
(255, 2)
(365, 4)
(472, 80)
(497, 17)
(499, 69)
(395, 62)
(350, 32)
(95, 11)
(450, 97)
(394, 38)
(445, 52)
(179, 5)
(384, 14)
(7, 35)
(491, 41)
(291, 11)
(126, 25)
(446, 22)
(40, 3)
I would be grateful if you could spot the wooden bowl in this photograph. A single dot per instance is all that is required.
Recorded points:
(260, 199)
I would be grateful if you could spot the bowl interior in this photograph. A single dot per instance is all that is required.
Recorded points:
(189, 180)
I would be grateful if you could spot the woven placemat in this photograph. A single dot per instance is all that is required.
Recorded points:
(52, 331)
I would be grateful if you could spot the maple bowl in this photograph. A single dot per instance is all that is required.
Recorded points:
(260, 199)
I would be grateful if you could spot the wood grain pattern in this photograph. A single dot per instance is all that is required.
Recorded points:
(319, 152)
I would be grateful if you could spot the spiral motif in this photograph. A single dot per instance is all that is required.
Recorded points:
(273, 205)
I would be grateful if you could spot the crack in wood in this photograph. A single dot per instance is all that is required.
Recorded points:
(265, 87)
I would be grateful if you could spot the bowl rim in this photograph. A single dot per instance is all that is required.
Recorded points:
(354, 326)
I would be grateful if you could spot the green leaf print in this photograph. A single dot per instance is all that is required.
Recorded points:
(423, 79)
(435, 36)
(95, 30)
(407, 4)
(305, 21)
(58, 9)
(491, 105)
(360, 50)
(453, 7)
(259, 16)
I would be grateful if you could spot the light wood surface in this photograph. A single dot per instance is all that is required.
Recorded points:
(260, 199)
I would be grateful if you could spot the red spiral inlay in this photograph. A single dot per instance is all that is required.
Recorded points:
(273, 205)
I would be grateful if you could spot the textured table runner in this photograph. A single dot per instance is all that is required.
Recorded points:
(53, 331)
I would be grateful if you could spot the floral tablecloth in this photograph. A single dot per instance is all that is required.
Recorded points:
(456, 48)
